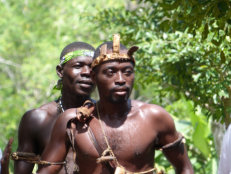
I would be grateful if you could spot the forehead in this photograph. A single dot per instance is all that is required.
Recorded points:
(116, 64)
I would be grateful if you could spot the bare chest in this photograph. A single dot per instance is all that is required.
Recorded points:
(128, 141)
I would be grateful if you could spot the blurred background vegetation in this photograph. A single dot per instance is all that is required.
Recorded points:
(183, 63)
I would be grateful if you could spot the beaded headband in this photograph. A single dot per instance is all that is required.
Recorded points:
(68, 57)
(115, 55)
(74, 54)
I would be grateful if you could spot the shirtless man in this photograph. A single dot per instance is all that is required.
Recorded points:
(36, 125)
(123, 134)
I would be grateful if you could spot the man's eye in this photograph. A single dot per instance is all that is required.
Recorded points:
(109, 72)
(128, 72)
(76, 66)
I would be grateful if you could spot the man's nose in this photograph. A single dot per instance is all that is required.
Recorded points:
(86, 71)
(120, 79)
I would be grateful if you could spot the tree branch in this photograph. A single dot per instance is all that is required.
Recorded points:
(8, 62)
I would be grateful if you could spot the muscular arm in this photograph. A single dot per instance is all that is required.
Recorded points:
(26, 142)
(176, 155)
(57, 148)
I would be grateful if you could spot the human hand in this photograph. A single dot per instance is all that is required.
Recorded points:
(6, 157)
(85, 111)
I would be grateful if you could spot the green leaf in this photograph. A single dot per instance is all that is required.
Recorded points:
(200, 135)
(222, 56)
(205, 32)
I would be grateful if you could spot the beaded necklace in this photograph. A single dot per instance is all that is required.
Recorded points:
(60, 106)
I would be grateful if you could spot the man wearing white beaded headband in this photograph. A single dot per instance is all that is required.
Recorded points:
(122, 134)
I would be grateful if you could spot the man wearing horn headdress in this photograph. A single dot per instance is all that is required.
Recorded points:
(119, 135)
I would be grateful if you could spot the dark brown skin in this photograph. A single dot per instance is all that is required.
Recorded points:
(133, 128)
(6, 157)
(36, 125)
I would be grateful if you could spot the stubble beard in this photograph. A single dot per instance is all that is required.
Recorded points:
(118, 99)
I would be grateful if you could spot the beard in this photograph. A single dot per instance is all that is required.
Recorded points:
(119, 99)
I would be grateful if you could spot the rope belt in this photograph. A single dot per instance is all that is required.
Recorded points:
(122, 170)
(32, 158)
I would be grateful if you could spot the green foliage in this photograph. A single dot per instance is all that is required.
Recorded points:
(214, 15)
(189, 58)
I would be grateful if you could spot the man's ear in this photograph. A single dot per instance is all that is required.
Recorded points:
(59, 71)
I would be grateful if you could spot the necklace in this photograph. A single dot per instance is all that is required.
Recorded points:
(105, 137)
(119, 168)
(60, 104)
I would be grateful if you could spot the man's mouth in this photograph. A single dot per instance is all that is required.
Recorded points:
(85, 83)
(121, 91)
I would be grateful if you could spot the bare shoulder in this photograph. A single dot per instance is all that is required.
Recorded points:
(42, 112)
(60, 128)
(66, 116)
(36, 117)
(154, 113)
(150, 109)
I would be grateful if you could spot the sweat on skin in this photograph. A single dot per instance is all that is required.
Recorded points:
(118, 124)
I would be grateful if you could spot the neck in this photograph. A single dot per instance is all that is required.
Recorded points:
(72, 101)
(114, 110)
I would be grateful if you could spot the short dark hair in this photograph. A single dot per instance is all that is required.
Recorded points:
(76, 46)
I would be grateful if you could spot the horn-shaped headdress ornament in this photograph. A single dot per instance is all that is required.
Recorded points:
(115, 55)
